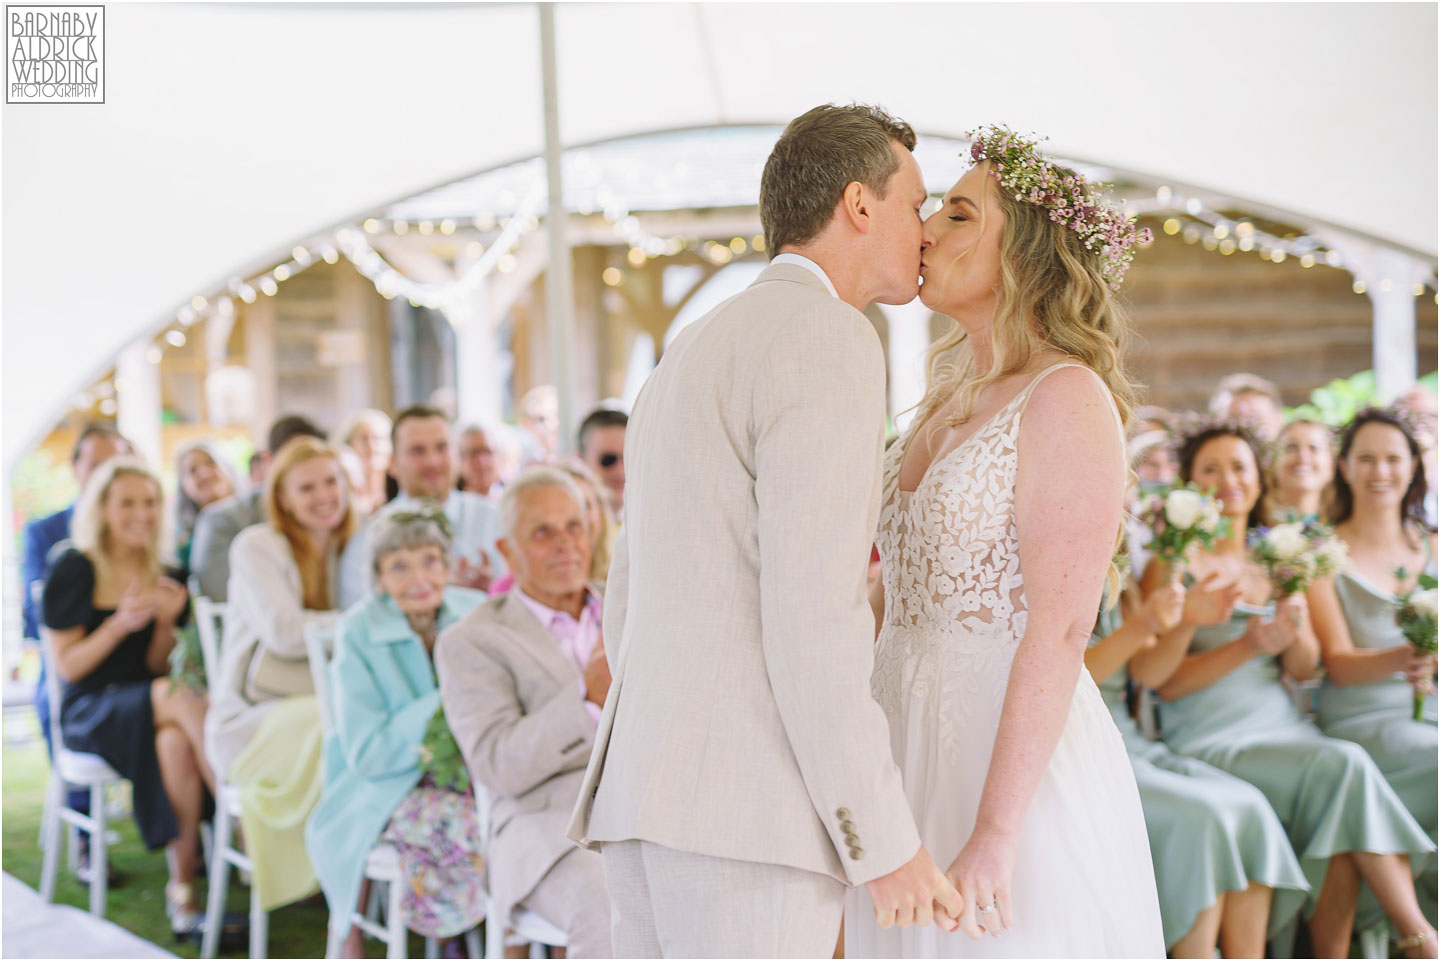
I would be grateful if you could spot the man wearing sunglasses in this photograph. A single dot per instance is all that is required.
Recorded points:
(602, 447)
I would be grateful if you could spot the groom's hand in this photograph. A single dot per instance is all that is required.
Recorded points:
(912, 893)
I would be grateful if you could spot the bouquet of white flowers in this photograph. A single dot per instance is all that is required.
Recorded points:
(1295, 552)
(1417, 621)
(1181, 516)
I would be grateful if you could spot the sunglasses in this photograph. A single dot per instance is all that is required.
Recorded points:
(609, 460)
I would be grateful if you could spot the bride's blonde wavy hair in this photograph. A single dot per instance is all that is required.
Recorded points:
(1051, 293)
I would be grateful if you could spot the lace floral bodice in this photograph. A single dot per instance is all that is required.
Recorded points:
(950, 562)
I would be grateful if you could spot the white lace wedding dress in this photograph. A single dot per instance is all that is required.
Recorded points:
(954, 614)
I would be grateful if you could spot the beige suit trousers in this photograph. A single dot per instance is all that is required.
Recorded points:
(672, 904)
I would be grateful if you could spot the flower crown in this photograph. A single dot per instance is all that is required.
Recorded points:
(428, 510)
(1023, 173)
(1408, 419)
(1191, 424)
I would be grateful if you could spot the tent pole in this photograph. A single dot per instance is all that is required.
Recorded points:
(559, 282)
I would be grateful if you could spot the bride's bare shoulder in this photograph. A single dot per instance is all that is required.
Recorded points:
(1068, 399)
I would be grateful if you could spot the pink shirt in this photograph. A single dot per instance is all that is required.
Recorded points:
(576, 638)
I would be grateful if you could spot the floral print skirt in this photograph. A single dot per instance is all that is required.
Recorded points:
(436, 833)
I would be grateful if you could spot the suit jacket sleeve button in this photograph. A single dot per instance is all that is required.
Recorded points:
(843, 814)
(856, 854)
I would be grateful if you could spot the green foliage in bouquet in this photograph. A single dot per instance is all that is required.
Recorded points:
(440, 756)
(1417, 621)
(187, 661)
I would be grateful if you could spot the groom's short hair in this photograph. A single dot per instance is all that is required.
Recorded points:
(822, 152)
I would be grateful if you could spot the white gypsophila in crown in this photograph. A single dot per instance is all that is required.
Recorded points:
(1023, 173)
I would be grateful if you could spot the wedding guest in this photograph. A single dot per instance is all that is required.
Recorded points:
(539, 425)
(1248, 397)
(95, 445)
(423, 464)
(255, 469)
(479, 463)
(111, 612)
(1225, 870)
(602, 448)
(1150, 417)
(1224, 704)
(263, 730)
(203, 476)
(522, 679)
(1419, 400)
(1371, 671)
(1153, 458)
(219, 523)
(383, 695)
(1304, 462)
(603, 527)
(367, 433)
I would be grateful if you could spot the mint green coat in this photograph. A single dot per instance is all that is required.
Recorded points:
(382, 696)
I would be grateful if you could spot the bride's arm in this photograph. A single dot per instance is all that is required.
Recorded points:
(1069, 497)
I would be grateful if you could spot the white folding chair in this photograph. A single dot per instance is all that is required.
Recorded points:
(82, 770)
(209, 618)
(382, 864)
(526, 924)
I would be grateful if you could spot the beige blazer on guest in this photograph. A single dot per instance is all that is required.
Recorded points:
(513, 699)
(740, 722)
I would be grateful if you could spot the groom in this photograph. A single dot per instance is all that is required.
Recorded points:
(742, 775)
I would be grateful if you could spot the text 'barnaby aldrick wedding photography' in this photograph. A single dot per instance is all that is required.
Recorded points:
(55, 54)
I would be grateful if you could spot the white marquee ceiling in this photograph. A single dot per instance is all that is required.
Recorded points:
(231, 131)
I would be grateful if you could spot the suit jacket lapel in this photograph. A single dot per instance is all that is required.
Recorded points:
(536, 641)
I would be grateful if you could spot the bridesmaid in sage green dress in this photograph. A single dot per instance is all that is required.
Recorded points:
(1223, 864)
(1224, 704)
(1372, 672)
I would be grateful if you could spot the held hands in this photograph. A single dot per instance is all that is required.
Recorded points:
(917, 893)
(1271, 636)
(597, 674)
(1211, 601)
(137, 608)
(170, 600)
(1420, 670)
(477, 576)
(1163, 609)
(982, 872)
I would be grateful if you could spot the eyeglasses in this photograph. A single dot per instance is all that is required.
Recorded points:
(608, 461)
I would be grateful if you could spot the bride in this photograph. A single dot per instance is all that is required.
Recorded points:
(1002, 510)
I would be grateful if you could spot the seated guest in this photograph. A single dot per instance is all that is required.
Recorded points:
(602, 448)
(111, 614)
(1300, 473)
(1224, 704)
(479, 460)
(382, 697)
(1251, 399)
(597, 514)
(217, 524)
(1225, 871)
(96, 444)
(203, 476)
(423, 464)
(522, 679)
(263, 730)
(368, 435)
(1371, 671)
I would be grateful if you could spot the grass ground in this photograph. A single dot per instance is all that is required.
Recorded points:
(296, 931)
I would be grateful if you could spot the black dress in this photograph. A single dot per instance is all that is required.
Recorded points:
(108, 712)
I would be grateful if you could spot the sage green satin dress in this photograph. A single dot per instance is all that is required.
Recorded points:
(1209, 832)
(1326, 791)
(1378, 716)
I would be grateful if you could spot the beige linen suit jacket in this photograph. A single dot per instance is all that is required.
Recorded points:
(513, 700)
(740, 722)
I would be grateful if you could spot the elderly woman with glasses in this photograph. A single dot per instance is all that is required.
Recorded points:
(384, 696)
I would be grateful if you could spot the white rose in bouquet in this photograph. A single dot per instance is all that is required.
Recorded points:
(1287, 540)
(1333, 554)
(1183, 508)
(1424, 602)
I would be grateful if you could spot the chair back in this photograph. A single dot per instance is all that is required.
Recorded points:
(319, 639)
(54, 689)
(210, 626)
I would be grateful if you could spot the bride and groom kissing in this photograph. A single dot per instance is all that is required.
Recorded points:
(778, 750)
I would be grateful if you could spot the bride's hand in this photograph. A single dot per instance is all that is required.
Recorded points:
(981, 872)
